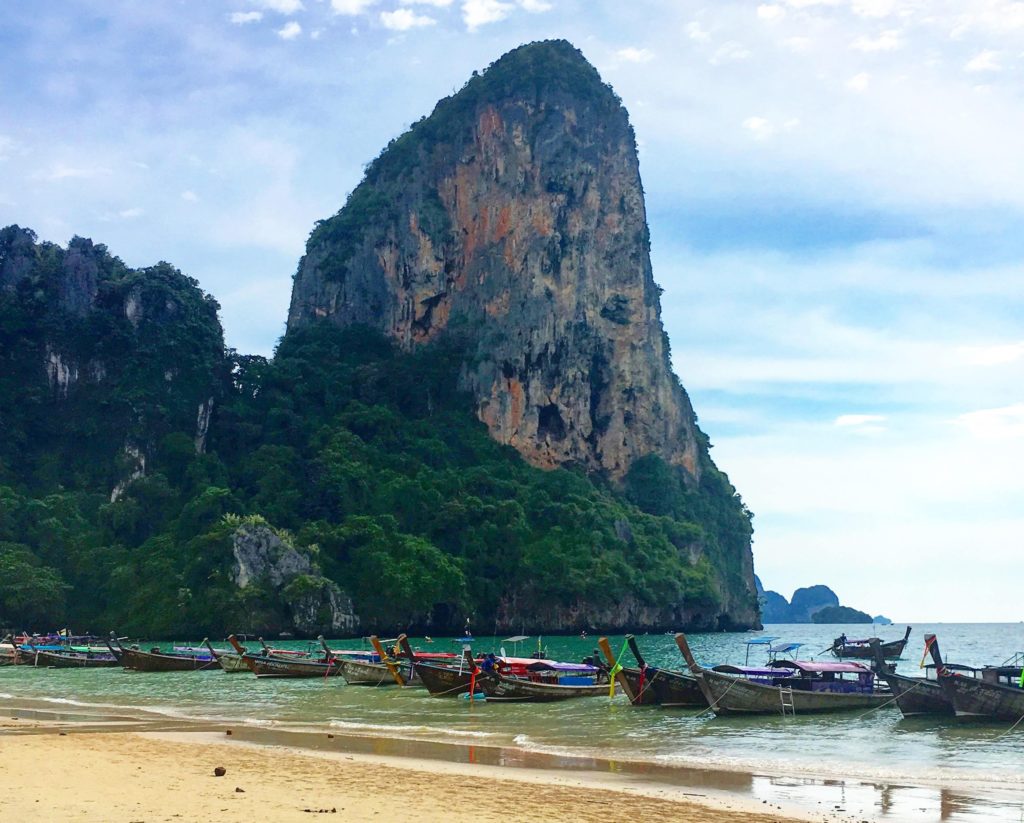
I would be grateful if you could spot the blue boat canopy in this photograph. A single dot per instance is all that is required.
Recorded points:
(761, 641)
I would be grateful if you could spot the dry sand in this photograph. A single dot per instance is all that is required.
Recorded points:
(120, 777)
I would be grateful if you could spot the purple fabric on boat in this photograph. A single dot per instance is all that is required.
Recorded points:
(812, 667)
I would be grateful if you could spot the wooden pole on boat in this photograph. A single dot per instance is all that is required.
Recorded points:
(684, 648)
(395, 673)
(246, 657)
(606, 649)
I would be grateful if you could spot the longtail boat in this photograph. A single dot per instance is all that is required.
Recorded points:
(269, 664)
(377, 669)
(995, 693)
(74, 659)
(648, 685)
(861, 649)
(230, 662)
(440, 679)
(9, 652)
(541, 681)
(785, 686)
(914, 695)
(155, 660)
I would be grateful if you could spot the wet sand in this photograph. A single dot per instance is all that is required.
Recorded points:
(80, 770)
(107, 764)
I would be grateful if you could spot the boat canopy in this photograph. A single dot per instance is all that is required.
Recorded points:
(748, 671)
(812, 667)
(784, 648)
(519, 638)
(761, 641)
(554, 666)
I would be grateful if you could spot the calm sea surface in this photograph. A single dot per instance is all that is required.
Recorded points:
(878, 747)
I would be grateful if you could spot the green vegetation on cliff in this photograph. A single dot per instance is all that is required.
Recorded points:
(366, 458)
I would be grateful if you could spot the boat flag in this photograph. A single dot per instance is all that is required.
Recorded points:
(616, 669)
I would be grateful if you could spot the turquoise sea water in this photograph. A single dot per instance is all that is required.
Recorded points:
(877, 748)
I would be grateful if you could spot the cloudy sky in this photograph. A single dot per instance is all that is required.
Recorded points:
(836, 196)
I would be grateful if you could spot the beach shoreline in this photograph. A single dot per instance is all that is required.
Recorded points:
(57, 741)
(84, 770)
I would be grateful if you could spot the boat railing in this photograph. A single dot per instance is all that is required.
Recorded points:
(1016, 661)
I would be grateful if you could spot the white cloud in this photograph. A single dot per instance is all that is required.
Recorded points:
(240, 18)
(695, 32)
(995, 424)
(129, 214)
(405, 19)
(855, 420)
(761, 128)
(351, 7)
(1000, 354)
(535, 6)
(476, 13)
(859, 82)
(730, 52)
(804, 4)
(770, 11)
(438, 4)
(873, 8)
(316, 34)
(797, 44)
(886, 41)
(189, 196)
(289, 31)
(59, 172)
(986, 60)
(281, 6)
(634, 55)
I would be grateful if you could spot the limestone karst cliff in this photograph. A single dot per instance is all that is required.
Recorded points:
(472, 413)
(515, 212)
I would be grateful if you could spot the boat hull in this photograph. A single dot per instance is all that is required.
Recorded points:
(973, 697)
(140, 661)
(675, 689)
(442, 681)
(890, 650)
(916, 696)
(499, 687)
(232, 663)
(731, 695)
(270, 666)
(360, 673)
(75, 661)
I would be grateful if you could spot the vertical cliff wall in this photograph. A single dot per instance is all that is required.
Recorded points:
(516, 212)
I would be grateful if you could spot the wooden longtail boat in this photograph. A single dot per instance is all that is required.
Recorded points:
(358, 672)
(670, 688)
(542, 681)
(861, 649)
(994, 694)
(230, 662)
(439, 679)
(270, 665)
(914, 695)
(157, 661)
(9, 652)
(74, 660)
(785, 686)
(649, 686)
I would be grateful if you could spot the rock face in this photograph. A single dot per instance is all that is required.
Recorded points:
(315, 603)
(87, 339)
(515, 216)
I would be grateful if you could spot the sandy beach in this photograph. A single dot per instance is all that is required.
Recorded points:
(63, 773)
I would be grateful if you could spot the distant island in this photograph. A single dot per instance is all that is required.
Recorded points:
(813, 604)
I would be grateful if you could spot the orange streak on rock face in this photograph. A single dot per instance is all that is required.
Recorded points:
(515, 411)
(490, 123)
